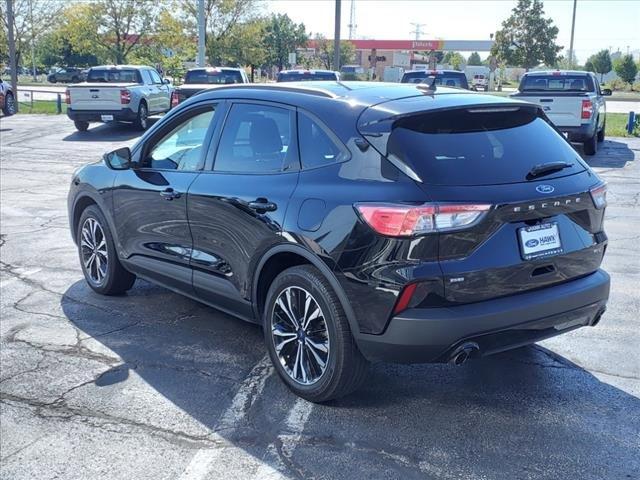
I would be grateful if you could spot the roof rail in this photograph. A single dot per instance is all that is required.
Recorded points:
(320, 92)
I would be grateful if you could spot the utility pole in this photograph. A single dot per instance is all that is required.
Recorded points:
(201, 33)
(33, 42)
(336, 38)
(417, 29)
(352, 21)
(573, 26)
(12, 52)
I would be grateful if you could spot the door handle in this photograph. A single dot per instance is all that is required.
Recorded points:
(262, 205)
(169, 194)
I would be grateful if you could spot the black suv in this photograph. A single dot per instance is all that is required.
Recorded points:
(446, 78)
(355, 223)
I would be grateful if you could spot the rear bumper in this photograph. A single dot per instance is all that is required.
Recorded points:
(579, 134)
(124, 115)
(433, 334)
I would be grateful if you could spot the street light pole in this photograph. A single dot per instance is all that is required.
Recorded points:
(12, 52)
(573, 26)
(336, 38)
(201, 33)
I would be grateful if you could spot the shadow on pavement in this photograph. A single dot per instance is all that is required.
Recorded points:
(107, 132)
(611, 154)
(527, 413)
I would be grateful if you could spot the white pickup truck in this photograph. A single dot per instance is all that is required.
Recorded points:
(118, 93)
(573, 101)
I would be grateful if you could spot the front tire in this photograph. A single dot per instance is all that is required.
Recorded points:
(308, 337)
(81, 126)
(98, 257)
(9, 105)
(601, 133)
(142, 121)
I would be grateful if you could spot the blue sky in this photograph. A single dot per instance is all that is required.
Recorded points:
(599, 23)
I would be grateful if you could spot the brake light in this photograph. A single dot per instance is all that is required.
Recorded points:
(587, 109)
(125, 96)
(174, 99)
(599, 196)
(395, 220)
(67, 97)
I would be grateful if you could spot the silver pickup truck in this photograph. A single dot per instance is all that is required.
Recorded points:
(573, 101)
(118, 93)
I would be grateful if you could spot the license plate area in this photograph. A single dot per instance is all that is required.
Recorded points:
(106, 118)
(539, 241)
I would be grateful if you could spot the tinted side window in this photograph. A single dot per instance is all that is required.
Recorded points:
(317, 148)
(181, 148)
(146, 78)
(257, 139)
(155, 77)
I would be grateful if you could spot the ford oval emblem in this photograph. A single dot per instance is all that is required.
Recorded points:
(532, 243)
(544, 189)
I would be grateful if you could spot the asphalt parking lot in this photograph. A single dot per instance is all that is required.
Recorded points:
(153, 385)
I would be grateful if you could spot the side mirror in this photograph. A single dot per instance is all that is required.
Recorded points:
(119, 159)
(606, 92)
(166, 81)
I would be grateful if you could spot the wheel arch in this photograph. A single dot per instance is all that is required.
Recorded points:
(281, 257)
(84, 200)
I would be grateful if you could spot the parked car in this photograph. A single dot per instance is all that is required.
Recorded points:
(7, 99)
(354, 222)
(118, 93)
(353, 72)
(198, 79)
(573, 100)
(480, 82)
(447, 78)
(66, 75)
(307, 75)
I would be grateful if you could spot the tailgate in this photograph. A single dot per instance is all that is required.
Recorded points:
(563, 111)
(96, 96)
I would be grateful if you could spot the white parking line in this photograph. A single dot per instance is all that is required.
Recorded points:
(205, 459)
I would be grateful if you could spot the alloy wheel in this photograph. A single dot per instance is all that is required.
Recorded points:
(300, 335)
(93, 246)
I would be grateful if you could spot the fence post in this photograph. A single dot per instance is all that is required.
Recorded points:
(631, 123)
(58, 103)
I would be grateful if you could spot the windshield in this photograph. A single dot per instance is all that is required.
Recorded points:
(113, 76)
(305, 76)
(214, 77)
(556, 83)
(474, 145)
(458, 80)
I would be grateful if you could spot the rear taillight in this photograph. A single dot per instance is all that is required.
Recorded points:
(125, 96)
(599, 196)
(174, 99)
(396, 220)
(67, 97)
(587, 109)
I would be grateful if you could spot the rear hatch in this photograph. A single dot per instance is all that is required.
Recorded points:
(541, 225)
(559, 94)
(97, 96)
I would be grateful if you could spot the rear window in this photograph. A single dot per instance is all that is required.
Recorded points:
(475, 146)
(114, 76)
(458, 80)
(213, 77)
(306, 76)
(556, 83)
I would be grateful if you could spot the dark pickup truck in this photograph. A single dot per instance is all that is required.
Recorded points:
(198, 79)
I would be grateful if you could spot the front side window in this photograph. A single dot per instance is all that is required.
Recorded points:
(181, 148)
(257, 139)
(155, 77)
(317, 148)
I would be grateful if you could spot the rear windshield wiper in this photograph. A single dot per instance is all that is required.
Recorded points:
(543, 169)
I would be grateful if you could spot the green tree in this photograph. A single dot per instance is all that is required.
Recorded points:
(626, 68)
(474, 59)
(220, 16)
(527, 38)
(242, 46)
(599, 63)
(282, 37)
(454, 59)
(325, 51)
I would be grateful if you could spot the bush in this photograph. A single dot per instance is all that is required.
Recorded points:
(636, 87)
(619, 85)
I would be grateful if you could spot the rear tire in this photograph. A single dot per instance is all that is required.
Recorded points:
(591, 145)
(9, 105)
(332, 364)
(142, 121)
(601, 133)
(98, 257)
(75, 80)
(81, 126)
